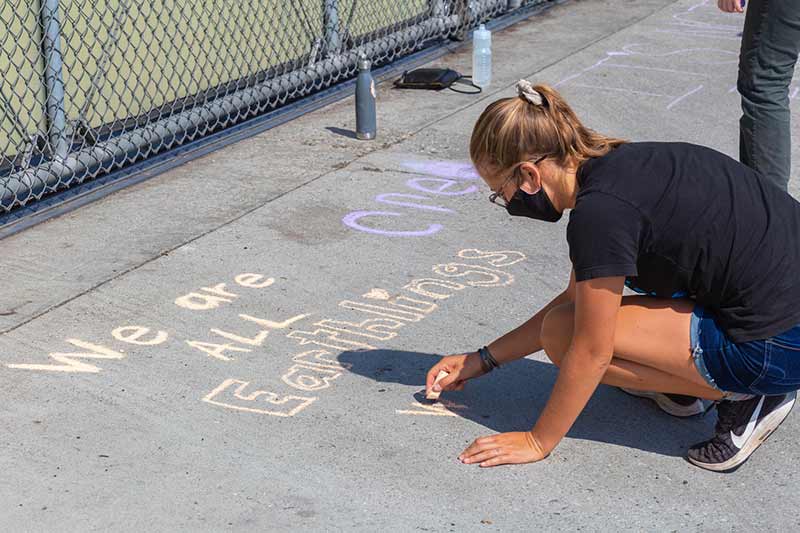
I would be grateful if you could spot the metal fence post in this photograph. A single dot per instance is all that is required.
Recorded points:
(54, 81)
(514, 4)
(333, 41)
(438, 8)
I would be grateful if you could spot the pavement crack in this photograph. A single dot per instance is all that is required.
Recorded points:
(166, 252)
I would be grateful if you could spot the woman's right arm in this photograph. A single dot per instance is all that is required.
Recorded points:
(514, 345)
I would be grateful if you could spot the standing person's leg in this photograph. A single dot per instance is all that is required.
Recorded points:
(770, 46)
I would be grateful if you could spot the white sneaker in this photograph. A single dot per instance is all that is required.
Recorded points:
(673, 404)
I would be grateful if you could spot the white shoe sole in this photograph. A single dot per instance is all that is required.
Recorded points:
(667, 405)
(763, 430)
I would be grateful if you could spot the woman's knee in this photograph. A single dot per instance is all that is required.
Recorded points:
(556, 333)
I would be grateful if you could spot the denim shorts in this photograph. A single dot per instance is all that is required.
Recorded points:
(764, 367)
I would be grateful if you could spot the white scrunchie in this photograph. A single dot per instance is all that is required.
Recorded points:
(525, 90)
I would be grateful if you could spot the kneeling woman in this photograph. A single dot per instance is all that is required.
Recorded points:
(713, 245)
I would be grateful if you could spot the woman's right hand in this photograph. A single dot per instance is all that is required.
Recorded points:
(459, 368)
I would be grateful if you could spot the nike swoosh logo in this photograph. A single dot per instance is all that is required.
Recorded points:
(739, 440)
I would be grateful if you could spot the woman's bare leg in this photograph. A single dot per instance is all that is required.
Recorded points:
(651, 346)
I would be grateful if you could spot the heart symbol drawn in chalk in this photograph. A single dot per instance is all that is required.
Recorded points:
(377, 294)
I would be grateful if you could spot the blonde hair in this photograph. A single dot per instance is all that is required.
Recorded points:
(538, 122)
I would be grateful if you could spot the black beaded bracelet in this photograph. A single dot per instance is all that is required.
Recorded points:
(488, 362)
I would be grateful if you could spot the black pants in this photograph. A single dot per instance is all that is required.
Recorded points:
(770, 46)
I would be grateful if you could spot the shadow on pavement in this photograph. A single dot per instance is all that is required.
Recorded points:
(510, 399)
(350, 134)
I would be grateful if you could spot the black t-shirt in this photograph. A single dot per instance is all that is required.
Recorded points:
(679, 219)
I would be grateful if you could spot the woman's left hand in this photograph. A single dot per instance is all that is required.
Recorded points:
(504, 448)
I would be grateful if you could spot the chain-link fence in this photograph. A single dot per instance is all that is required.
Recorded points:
(89, 86)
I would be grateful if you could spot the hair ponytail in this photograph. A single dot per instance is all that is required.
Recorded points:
(537, 122)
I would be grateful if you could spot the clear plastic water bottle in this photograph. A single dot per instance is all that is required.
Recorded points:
(482, 57)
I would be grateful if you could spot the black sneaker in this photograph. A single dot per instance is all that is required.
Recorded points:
(741, 428)
(674, 404)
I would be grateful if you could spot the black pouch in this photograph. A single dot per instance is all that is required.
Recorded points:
(435, 79)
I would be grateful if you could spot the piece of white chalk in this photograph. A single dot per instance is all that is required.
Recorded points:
(432, 395)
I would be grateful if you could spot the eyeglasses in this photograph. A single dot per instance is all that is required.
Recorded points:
(497, 198)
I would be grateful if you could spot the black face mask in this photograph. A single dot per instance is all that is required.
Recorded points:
(536, 206)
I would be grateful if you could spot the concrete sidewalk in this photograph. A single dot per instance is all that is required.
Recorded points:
(238, 344)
